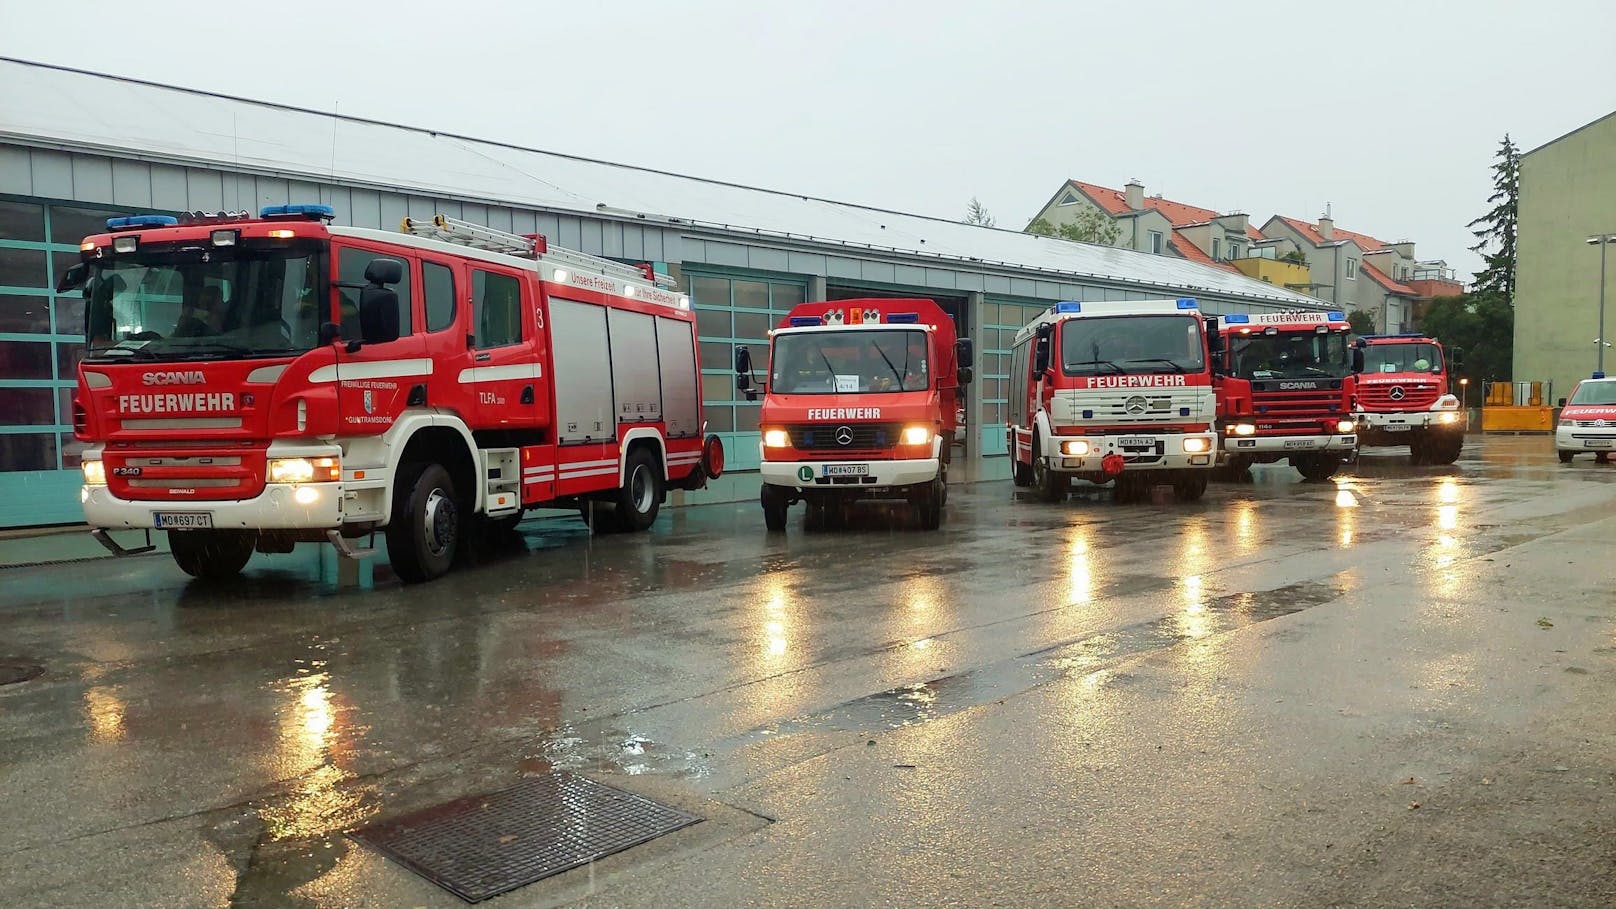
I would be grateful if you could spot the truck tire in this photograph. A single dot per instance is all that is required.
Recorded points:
(1444, 449)
(1417, 449)
(1049, 485)
(1565, 456)
(928, 505)
(1190, 487)
(1316, 468)
(775, 508)
(641, 496)
(424, 532)
(211, 555)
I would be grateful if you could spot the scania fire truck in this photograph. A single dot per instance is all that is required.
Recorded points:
(1117, 391)
(1404, 397)
(255, 382)
(1285, 385)
(861, 402)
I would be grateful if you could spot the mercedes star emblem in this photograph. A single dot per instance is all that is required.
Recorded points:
(1136, 404)
(1397, 393)
(844, 435)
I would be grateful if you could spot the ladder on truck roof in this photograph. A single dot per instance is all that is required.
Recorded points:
(528, 246)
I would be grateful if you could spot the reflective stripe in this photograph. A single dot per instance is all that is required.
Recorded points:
(579, 464)
(380, 369)
(501, 373)
(597, 472)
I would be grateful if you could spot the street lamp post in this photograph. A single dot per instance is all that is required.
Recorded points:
(1602, 241)
(1464, 399)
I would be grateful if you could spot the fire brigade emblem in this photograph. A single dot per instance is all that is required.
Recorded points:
(844, 435)
(370, 401)
(1397, 393)
(1136, 405)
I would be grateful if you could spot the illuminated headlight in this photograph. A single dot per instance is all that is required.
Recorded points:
(95, 473)
(1449, 417)
(1196, 446)
(1345, 426)
(776, 438)
(1075, 447)
(223, 238)
(124, 244)
(304, 470)
(1243, 429)
(916, 435)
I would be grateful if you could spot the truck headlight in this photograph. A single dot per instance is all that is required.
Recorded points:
(1345, 426)
(776, 438)
(917, 435)
(95, 473)
(1075, 447)
(1449, 417)
(304, 470)
(1196, 445)
(1243, 429)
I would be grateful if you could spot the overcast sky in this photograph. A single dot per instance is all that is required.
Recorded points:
(1389, 111)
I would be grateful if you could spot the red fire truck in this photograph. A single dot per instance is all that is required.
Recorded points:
(861, 403)
(252, 383)
(1285, 390)
(1117, 392)
(1404, 397)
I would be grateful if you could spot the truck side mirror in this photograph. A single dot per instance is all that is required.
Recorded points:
(1214, 338)
(743, 363)
(73, 278)
(964, 375)
(1562, 403)
(1357, 359)
(378, 313)
(965, 353)
(743, 382)
(1040, 350)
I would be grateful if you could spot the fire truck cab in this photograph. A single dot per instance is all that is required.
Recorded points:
(1404, 397)
(861, 403)
(1286, 383)
(255, 382)
(1117, 391)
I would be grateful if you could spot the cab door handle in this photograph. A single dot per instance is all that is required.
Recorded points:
(484, 357)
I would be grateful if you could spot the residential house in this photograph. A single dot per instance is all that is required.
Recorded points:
(1157, 225)
(1355, 271)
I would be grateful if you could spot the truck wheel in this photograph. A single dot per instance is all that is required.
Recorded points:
(211, 555)
(1050, 486)
(1417, 450)
(1565, 456)
(1190, 488)
(1444, 450)
(641, 496)
(775, 508)
(928, 505)
(1316, 468)
(425, 529)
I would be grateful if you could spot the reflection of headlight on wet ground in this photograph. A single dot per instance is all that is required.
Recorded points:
(1447, 517)
(1345, 499)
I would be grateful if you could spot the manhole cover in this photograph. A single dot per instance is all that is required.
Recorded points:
(14, 671)
(484, 845)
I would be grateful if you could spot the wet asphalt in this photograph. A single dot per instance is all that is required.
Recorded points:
(1390, 689)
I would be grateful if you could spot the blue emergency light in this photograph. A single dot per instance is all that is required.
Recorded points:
(1598, 375)
(306, 212)
(1236, 318)
(136, 222)
(1187, 303)
(800, 321)
(1069, 307)
(903, 318)
(1338, 317)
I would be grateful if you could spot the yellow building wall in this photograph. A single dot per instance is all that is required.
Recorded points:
(1273, 271)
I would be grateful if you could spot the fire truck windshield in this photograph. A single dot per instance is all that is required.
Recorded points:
(1132, 344)
(1403, 357)
(1594, 393)
(850, 361)
(1294, 355)
(194, 304)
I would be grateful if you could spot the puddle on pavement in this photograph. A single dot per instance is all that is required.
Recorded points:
(629, 753)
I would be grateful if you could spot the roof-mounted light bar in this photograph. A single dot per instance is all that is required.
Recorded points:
(298, 212)
(139, 222)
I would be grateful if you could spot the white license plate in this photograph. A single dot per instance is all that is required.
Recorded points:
(1298, 443)
(183, 520)
(1137, 443)
(1397, 427)
(845, 470)
(1597, 443)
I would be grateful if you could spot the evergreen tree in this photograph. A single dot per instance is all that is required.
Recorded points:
(1495, 230)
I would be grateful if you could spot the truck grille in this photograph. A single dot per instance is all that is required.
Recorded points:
(155, 475)
(844, 437)
(1414, 396)
(1304, 403)
(1113, 406)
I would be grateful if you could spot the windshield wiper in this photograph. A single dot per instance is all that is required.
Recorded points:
(1081, 363)
(890, 365)
(1172, 363)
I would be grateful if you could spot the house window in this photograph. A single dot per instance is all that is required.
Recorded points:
(1217, 252)
(1069, 200)
(1352, 269)
(1156, 242)
(1234, 250)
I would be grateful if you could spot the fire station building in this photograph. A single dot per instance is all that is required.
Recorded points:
(78, 147)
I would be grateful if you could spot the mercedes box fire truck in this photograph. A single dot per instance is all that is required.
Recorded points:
(1286, 383)
(1404, 397)
(1114, 392)
(861, 402)
(251, 383)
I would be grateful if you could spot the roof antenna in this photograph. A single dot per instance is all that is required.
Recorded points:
(336, 111)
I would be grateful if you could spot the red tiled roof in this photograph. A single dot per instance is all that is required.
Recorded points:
(1385, 280)
(1178, 214)
(1190, 251)
(1311, 232)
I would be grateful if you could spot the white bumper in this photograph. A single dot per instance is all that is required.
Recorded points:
(1398, 422)
(1289, 444)
(1585, 438)
(877, 474)
(306, 506)
(1165, 451)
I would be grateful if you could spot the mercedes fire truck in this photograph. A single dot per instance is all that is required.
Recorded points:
(1115, 392)
(1404, 397)
(861, 403)
(251, 383)
(1286, 383)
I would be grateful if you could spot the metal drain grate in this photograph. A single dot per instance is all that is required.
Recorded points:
(484, 845)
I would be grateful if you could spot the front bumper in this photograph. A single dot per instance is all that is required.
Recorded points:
(807, 475)
(1403, 422)
(1161, 451)
(281, 506)
(1289, 444)
(1585, 438)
